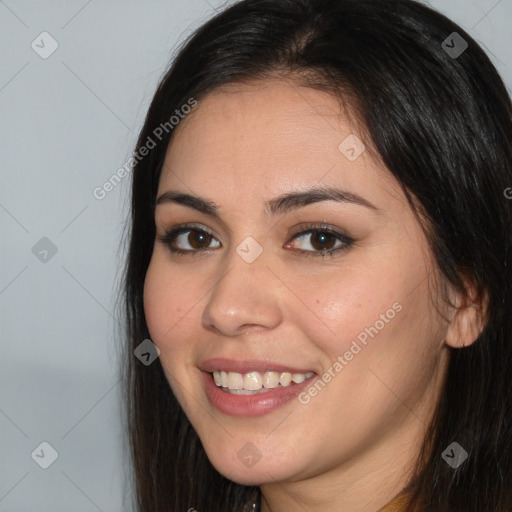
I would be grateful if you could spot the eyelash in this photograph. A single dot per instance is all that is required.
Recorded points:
(171, 235)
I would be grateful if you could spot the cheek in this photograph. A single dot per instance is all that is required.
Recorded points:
(371, 320)
(161, 303)
(348, 306)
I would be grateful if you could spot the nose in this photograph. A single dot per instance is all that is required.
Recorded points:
(244, 298)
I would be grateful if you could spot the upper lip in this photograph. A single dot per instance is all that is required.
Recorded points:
(232, 365)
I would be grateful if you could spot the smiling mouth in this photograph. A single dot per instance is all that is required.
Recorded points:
(253, 383)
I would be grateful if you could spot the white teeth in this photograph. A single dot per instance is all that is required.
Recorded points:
(242, 384)
(235, 380)
(270, 380)
(285, 379)
(252, 381)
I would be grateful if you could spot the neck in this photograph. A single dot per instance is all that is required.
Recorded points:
(363, 484)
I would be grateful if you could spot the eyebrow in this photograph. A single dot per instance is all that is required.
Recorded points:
(279, 205)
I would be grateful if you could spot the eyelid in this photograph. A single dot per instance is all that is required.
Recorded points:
(321, 226)
(180, 228)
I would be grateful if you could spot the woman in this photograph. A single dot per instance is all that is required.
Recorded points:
(374, 136)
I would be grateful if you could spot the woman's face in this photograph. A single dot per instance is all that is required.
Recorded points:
(255, 294)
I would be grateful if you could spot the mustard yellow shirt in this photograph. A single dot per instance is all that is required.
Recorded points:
(397, 504)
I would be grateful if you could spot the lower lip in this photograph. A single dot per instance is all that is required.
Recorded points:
(251, 405)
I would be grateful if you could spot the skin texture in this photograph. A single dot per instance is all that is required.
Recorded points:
(353, 445)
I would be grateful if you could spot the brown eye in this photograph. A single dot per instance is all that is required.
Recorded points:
(320, 239)
(187, 239)
(198, 238)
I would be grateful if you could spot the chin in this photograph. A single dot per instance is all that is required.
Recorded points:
(252, 472)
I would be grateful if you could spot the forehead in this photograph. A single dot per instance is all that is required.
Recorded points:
(261, 139)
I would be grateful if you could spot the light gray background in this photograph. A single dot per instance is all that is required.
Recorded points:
(67, 123)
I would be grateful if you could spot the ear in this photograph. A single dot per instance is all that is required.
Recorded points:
(469, 313)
